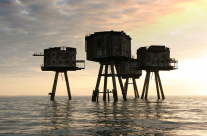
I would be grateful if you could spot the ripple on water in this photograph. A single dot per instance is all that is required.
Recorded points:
(185, 115)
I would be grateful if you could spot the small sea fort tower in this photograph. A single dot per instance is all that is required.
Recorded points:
(60, 59)
(128, 70)
(109, 48)
(154, 58)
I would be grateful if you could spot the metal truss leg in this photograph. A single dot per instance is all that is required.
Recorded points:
(95, 94)
(67, 85)
(126, 85)
(105, 82)
(135, 88)
(163, 97)
(120, 82)
(108, 95)
(54, 86)
(114, 83)
(157, 86)
(144, 87)
(148, 78)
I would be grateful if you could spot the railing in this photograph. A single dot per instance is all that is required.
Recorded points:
(79, 65)
(169, 63)
(80, 61)
(38, 54)
(173, 63)
(57, 66)
(62, 48)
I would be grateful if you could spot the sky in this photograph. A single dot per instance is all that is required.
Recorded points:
(29, 26)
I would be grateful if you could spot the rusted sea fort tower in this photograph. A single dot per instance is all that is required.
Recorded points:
(60, 59)
(128, 70)
(109, 48)
(154, 59)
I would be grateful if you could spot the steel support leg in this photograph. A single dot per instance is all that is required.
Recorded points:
(148, 78)
(97, 83)
(97, 95)
(135, 88)
(135, 93)
(144, 87)
(114, 83)
(126, 85)
(163, 97)
(108, 95)
(54, 86)
(120, 82)
(67, 85)
(105, 83)
(157, 86)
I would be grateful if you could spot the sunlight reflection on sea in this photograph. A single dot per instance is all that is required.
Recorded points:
(176, 115)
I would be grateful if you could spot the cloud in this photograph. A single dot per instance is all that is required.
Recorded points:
(30, 26)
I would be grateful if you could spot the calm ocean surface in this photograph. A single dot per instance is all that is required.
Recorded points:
(176, 115)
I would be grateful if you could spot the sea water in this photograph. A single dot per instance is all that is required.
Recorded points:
(37, 115)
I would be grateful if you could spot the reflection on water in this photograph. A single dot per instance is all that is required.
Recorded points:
(58, 118)
(184, 115)
(130, 117)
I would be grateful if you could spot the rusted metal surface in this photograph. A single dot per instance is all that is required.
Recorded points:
(128, 69)
(108, 45)
(155, 56)
(60, 57)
